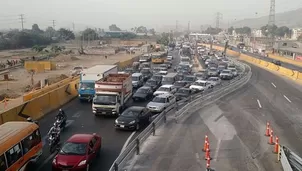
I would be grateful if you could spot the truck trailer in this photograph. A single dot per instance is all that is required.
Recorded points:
(89, 76)
(112, 94)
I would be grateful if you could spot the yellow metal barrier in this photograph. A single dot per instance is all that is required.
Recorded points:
(34, 65)
(273, 67)
(48, 65)
(39, 106)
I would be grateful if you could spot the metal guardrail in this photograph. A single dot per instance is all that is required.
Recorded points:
(289, 160)
(215, 93)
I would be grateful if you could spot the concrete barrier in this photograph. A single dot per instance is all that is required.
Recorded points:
(292, 74)
(285, 59)
(39, 106)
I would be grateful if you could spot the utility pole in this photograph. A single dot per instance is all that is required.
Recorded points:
(53, 24)
(22, 21)
(176, 26)
(271, 23)
(73, 27)
(189, 27)
(218, 18)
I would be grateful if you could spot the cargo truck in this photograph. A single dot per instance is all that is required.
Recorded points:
(112, 94)
(89, 76)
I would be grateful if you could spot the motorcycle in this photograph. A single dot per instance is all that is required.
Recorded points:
(61, 122)
(53, 143)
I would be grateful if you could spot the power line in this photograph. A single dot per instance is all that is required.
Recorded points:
(22, 21)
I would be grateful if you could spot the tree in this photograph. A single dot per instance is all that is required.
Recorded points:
(142, 29)
(211, 30)
(35, 29)
(282, 31)
(38, 48)
(268, 30)
(164, 39)
(300, 38)
(57, 49)
(230, 30)
(89, 34)
(244, 30)
(152, 31)
(113, 27)
(65, 34)
(50, 32)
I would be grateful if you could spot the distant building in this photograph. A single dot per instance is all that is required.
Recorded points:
(289, 48)
(257, 33)
(296, 32)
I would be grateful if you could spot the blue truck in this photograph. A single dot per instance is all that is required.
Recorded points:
(89, 76)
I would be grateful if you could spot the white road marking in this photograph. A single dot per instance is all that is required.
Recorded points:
(47, 160)
(287, 99)
(217, 150)
(77, 115)
(259, 104)
(127, 141)
(197, 156)
(274, 85)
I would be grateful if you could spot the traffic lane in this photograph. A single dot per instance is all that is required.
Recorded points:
(81, 120)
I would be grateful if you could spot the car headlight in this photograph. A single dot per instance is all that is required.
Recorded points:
(116, 121)
(94, 109)
(54, 161)
(132, 122)
(82, 163)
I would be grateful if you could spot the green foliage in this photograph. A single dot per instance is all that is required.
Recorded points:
(142, 29)
(268, 30)
(211, 30)
(243, 30)
(34, 38)
(57, 49)
(164, 39)
(89, 34)
(282, 31)
(113, 27)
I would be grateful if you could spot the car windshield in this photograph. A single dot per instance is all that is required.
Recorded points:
(212, 70)
(164, 89)
(183, 91)
(189, 79)
(212, 79)
(77, 68)
(71, 148)
(179, 83)
(157, 77)
(221, 67)
(199, 74)
(87, 86)
(130, 113)
(226, 72)
(168, 79)
(135, 78)
(104, 99)
(142, 90)
(200, 83)
(233, 69)
(151, 82)
(159, 100)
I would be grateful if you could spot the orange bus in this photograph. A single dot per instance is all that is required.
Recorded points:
(20, 145)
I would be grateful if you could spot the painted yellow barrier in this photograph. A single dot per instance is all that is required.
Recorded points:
(284, 59)
(46, 89)
(273, 67)
(39, 106)
(48, 65)
(35, 66)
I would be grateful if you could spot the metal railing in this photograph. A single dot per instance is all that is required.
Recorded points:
(289, 160)
(194, 102)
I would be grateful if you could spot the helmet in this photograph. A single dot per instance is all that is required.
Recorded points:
(56, 124)
(29, 119)
(60, 110)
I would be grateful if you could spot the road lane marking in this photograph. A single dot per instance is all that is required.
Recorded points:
(259, 104)
(287, 99)
(77, 114)
(127, 142)
(217, 150)
(274, 85)
(197, 156)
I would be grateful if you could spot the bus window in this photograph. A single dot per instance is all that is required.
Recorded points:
(2, 163)
(13, 155)
(31, 141)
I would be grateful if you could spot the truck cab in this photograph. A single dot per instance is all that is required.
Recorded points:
(112, 94)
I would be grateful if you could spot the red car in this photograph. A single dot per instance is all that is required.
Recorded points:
(77, 153)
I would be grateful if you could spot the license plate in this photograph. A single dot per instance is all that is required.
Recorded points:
(122, 126)
(103, 112)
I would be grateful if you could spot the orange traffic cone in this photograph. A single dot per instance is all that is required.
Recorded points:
(207, 154)
(208, 146)
(267, 131)
(271, 132)
(208, 163)
(206, 138)
(205, 146)
(276, 145)
(271, 140)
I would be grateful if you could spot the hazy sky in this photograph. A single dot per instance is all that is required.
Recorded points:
(131, 13)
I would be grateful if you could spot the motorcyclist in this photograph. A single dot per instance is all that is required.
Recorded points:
(61, 116)
(55, 131)
(29, 119)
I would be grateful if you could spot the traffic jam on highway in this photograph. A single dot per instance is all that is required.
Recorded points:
(159, 79)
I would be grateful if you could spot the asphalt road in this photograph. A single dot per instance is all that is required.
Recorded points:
(235, 125)
(81, 120)
(283, 64)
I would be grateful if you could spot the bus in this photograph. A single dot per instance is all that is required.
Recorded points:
(20, 145)
(158, 58)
